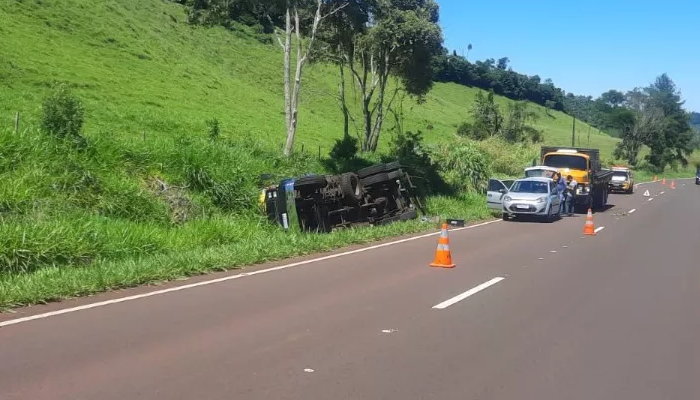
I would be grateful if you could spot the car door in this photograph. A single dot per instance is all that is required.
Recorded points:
(555, 201)
(495, 192)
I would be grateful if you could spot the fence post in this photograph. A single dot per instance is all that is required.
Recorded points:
(319, 152)
(17, 122)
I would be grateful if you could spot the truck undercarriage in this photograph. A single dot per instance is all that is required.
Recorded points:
(375, 195)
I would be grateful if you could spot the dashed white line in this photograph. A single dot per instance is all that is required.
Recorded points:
(598, 229)
(650, 199)
(631, 211)
(468, 293)
(662, 192)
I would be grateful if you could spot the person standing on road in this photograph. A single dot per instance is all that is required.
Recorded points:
(570, 194)
(561, 186)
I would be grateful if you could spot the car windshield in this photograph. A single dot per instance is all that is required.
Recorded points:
(620, 173)
(539, 173)
(530, 187)
(565, 161)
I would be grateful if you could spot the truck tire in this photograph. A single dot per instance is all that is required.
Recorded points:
(376, 179)
(378, 168)
(351, 188)
(311, 182)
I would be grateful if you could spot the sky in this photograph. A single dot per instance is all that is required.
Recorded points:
(585, 47)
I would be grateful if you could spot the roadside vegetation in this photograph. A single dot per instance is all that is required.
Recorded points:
(131, 151)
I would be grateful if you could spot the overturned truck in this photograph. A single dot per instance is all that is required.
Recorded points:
(375, 195)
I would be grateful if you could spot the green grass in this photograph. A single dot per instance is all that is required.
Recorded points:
(75, 221)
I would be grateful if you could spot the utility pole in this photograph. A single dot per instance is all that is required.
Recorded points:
(573, 134)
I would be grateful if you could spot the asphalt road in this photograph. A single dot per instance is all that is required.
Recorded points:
(613, 316)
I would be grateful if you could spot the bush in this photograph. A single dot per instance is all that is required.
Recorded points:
(464, 166)
(343, 156)
(409, 150)
(508, 160)
(62, 114)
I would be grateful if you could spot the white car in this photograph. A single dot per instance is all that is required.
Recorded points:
(529, 196)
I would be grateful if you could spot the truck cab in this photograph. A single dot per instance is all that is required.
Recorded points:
(584, 166)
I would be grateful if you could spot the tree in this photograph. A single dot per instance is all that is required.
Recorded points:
(549, 104)
(293, 27)
(674, 140)
(380, 39)
(613, 98)
(637, 123)
(489, 121)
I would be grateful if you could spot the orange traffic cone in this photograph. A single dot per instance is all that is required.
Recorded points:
(663, 182)
(589, 228)
(443, 257)
(673, 184)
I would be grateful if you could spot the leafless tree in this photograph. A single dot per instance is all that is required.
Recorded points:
(292, 29)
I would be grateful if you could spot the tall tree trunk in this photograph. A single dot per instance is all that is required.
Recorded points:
(294, 103)
(287, 74)
(343, 102)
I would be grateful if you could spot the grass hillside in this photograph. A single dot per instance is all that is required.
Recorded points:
(142, 68)
(150, 197)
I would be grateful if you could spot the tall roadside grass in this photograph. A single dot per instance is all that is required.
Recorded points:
(105, 213)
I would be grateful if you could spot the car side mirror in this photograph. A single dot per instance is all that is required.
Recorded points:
(504, 191)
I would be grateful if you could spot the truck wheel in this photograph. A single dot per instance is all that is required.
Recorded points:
(378, 168)
(350, 187)
(376, 179)
(311, 181)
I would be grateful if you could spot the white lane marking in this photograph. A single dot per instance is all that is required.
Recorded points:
(631, 211)
(468, 293)
(308, 370)
(229, 278)
(565, 246)
(552, 251)
(541, 258)
(650, 199)
(598, 229)
(388, 330)
(662, 192)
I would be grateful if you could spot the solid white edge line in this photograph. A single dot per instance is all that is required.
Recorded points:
(232, 277)
(632, 211)
(598, 229)
(468, 293)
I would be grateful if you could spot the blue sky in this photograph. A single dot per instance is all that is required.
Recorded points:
(585, 47)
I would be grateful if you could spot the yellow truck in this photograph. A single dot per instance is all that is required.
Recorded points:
(585, 167)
